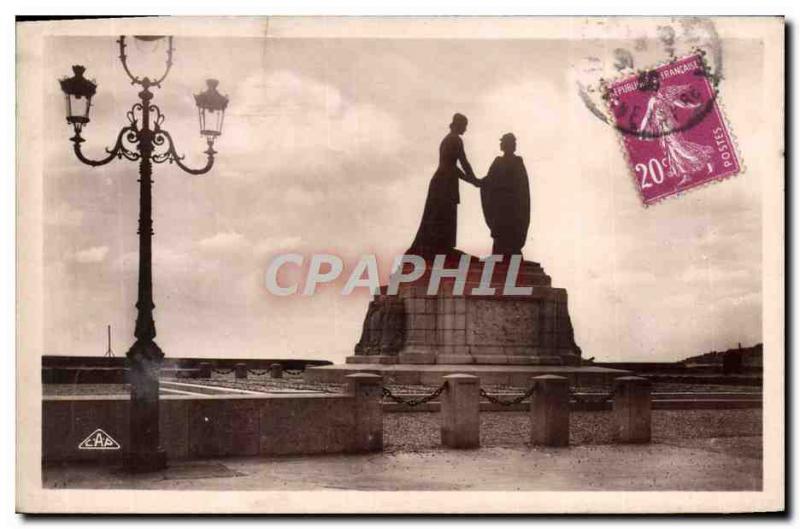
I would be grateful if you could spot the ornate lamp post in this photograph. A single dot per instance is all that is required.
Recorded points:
(144, 140)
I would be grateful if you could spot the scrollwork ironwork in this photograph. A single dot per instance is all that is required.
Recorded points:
(119, 150)
(162, 138)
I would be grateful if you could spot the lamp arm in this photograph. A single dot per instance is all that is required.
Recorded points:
(123, 58)
(117, 151)
(171, 155)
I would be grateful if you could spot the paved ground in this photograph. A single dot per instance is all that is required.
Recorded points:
(692, 450)
(692, 464)
(420, 431)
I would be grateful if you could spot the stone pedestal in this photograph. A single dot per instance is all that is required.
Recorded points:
(240, 370)
(461, 412)
(487, 323)
(205, 370)
(276, 371)
(366, 389)
(632, 405)
(550, 411)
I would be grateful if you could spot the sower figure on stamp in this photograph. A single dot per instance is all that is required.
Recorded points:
(437, 230)
(683, 157)
(506, 200)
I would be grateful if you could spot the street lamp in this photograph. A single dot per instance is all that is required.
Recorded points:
(145, 141)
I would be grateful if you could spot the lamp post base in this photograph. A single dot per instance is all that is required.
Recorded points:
(141, 462)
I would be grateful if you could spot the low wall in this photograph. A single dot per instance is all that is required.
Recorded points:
(218, 426)
(114, 370)
(178, 362)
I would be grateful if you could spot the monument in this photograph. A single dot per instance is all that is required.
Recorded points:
(500, 310)
(484, 323)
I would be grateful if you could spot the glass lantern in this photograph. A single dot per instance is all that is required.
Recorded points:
(78, 92)
(211, 110)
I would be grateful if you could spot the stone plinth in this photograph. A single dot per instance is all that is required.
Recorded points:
(366, 389)
(460, 411)
(550, 411)
(240, 370)
(477, 322)
(632, 410)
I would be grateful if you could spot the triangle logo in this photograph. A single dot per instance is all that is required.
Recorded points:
(99, 440)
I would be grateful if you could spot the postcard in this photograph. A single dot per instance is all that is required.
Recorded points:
(400, 265)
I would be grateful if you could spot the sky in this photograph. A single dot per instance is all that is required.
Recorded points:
(328, 147)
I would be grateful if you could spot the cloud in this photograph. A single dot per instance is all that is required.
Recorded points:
(223, 241)
(95, 254)
(63, 214)
(709, 274)
(271, 244)
(291, 121)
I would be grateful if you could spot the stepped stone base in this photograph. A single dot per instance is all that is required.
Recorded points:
(471, 326)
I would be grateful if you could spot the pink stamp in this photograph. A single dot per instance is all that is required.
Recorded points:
(673, 132)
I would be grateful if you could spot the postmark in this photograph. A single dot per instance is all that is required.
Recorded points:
(672, 131)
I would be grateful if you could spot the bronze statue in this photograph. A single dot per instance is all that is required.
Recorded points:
(506, 199)
(437, 230)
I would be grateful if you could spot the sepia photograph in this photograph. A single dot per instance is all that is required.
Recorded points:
(400, 265)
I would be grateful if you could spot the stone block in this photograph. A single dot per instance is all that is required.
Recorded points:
(244, 428)
(366, 390)
(460, 305)
(550, 411)
(500, 359)
(424, 321)
(240, 370)
(306, 424)
(447, 321)
(209, 428)
(454, 359)
(460, 411)
(414, 336)
(173, 427)
(519, 360)
(417, 357)
(632, 410)
(205, 370)
(276, 371)
(459, 337)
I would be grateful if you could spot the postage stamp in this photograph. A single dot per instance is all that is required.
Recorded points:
(673, 133)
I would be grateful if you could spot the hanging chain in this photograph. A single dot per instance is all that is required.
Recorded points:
(413, 402)
(223, 371)
(512, 402)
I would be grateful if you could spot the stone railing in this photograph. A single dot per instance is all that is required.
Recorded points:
(460, 405)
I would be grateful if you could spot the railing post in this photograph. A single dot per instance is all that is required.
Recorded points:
(366, 390)
(632, 405)
(460, 407)
(276, 371)
(240, 370)
(205, 370)
(550, 411)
